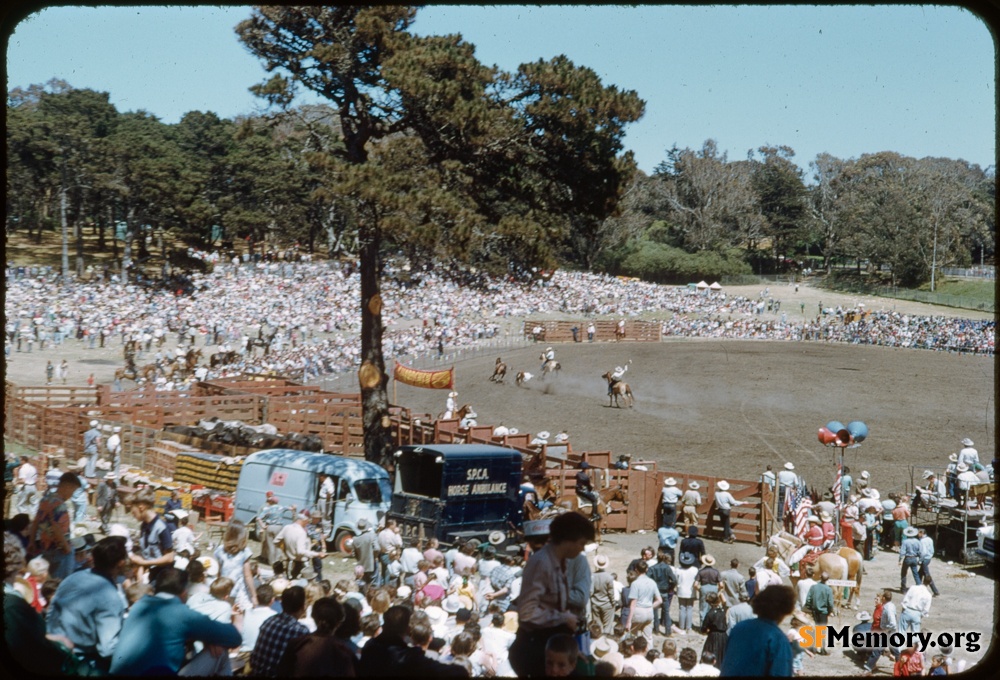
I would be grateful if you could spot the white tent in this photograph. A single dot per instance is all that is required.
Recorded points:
(702, 284)
(716, 286)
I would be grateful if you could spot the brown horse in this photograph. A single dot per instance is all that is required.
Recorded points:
(191, 360)
(621, 390)
(460, 413)
(606, 496)
(546, 489)
(499, 372)
(845, 564)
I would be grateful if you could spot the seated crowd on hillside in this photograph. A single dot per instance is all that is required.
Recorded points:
(310, 310)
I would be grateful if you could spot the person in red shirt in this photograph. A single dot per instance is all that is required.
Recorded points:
(814, 534)
(829, 530)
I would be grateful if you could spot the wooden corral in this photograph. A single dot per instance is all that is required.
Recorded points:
(604, 330)
(57, 417)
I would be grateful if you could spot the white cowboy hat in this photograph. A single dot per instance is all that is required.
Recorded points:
(789, 466)
(548, 349)
(814, 518)
(962, 467)
(723, 484)
(669, 481)
(927, 474)
(910, 531)
(512, 430)
(404, 591)
(707, 560)
(953, 458)
(825, 516)
(863, 616)
(471, 414)
(451, 604)
(116, 428)
(436, 615)
(618, 369)
(496, 537)
(865, 474)
(967, 442)
(875, 495)
(544, 434)
(694, 485)
(453, 394)
(602, 647)
(93, 423)
(601, 561)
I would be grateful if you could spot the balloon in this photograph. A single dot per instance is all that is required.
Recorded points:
(858, 430)
(826, 437)
(844, 437)
(835, 426)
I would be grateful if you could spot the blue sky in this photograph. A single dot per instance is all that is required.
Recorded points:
(843, 80)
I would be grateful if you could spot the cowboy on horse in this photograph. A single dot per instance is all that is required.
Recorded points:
(585, 490)
(616, 376)
(548, 355)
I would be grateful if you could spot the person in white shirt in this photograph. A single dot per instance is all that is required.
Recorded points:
(706, 668)
(409, 560)
(724, 502)
(27, 495)
(804, 585)
(217, 607)
(668, 663)
(297, 545)
(501, 430)
(968, 454)
(637, 659)
(915, 606)
(114, 447)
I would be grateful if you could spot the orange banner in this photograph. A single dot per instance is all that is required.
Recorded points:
(434, 380)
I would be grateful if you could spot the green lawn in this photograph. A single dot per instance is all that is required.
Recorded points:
(977, 289)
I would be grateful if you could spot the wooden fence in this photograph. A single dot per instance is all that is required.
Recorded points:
(604, 330)
(57, 420)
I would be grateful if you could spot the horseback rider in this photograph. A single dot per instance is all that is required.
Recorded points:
(585, 489)
(451, 406)
(547, 356)
(616, 376)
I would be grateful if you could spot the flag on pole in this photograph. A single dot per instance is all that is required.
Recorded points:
(838, 489)
(803, 508)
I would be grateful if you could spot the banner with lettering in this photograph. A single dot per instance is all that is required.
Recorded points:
(433, 380)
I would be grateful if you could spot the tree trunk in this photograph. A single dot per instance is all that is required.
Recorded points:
(371, 375)
(65, 227)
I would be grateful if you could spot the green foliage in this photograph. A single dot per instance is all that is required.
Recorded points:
(662, 263)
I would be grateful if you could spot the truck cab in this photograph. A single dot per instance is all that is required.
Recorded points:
(361, 489)
(451, 491)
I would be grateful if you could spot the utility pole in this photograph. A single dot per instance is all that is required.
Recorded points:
(62, 217)
(934, 255)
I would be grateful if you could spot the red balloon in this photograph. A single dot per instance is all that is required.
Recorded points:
(826, 438)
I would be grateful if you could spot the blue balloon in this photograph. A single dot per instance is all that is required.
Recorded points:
(858, 430)
(835, 426)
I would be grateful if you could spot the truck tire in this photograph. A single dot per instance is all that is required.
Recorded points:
(342, 542)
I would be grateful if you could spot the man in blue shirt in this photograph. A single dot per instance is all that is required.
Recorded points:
(154, 637)
(909, 557)
(156, 546)
(88, 608)
(758, 647)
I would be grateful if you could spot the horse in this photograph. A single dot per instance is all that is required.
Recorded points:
(460, 413)
(223, 358)
(546, 489)
(191, 360)
(499, 372)
(620, 390)
(550, 366)
(844, 564)
(606, 496)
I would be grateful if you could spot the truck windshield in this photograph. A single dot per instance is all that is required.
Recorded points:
(368, 491)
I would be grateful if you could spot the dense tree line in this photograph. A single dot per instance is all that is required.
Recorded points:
(701, 214)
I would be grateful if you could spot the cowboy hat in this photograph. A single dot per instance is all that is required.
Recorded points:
(404, 591)
(953, 458)
(723, 484)
(544, 434)
(789, 466)
(814, 518)
(928, 474)
(451, 604)
(694, 485)
(910, 531)
(496, 537)
(687, 559)
(116, 428)
(436, 615)
(453, 394)
(669, 481)
(602, 647)
(584, 465)
(707, 560)
(279, 585)
(548, 349)
(867, 493)
(601, 561)
(962, 467)
(875, 494)
(865, 474)
(967, 442)
(94, 423)
(825, 516)
(852, 511)
(513, 430)
(863, 616)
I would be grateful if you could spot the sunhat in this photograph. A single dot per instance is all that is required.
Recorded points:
(789, 466)
(962, 467)
(93, 423)
(453, 394)
(723, 484)
(865, 474)
(496, 537)
(953, 458)
(404, 591)
(436, 615)
(910, 531)
(544, 434)
(669, 481)
(863, 616)
(814, 518)
(601, 561)
(707, 560)
(602, 647)
(694, 485)
(967, 442)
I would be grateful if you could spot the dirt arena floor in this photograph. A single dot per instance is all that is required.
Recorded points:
(737, 406)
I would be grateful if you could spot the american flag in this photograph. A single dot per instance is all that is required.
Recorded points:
(838, 490)
(798, 505)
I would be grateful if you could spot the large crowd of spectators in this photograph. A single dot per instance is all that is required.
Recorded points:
(308, 313)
